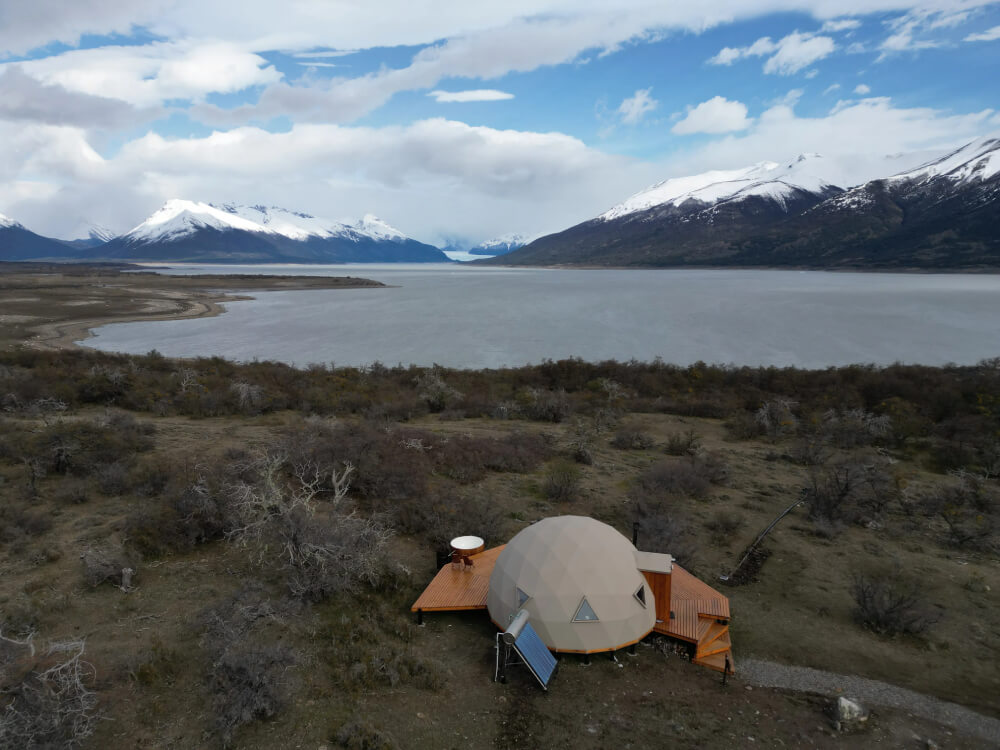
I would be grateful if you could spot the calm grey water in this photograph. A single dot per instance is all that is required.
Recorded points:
(461, 316)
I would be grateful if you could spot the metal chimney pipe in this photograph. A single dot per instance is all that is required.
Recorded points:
(635, 533)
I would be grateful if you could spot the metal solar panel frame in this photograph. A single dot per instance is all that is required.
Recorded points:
(522, 639)
(536, 655)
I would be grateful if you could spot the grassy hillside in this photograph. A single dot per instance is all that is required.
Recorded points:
(268, 603)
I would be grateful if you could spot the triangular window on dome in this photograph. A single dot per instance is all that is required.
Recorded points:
(585, 613)
(521, 597)
(641, 595)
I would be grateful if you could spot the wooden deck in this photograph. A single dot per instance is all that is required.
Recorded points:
(456, 589)
(700, 613)
(700, 617)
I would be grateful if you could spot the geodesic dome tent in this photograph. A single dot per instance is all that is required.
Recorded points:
(578, 580)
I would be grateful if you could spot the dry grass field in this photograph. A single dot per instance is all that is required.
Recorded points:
(269, 603)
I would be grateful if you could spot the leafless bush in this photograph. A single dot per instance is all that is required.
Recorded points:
(48, 703)
(662, 529)
(850, 490)
(581, 441)
(451, 513)
(673, 477)
(630, 437)
(711, 465)
(358, 734)
(248, 679)
(337, 554)
(72, 492)
(276, 516)
(743, 426)
(562, 481)
(810, 450)
(112, 479)
(682, 443)
(776, 417)
(855, 427)
(889, 603)
(543, 405)
(249, 397)
(247, 685)
(435, 392)
(969, 506)
(725, 522)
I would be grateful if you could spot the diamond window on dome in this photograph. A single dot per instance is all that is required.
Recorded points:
(641, 595)
(585, 613)
(521, 597)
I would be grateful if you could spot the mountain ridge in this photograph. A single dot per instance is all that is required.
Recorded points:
(940, 214)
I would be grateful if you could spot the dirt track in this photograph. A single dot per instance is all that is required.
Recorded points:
(870, 692)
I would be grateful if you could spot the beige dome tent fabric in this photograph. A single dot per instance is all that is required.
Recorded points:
(578, 579)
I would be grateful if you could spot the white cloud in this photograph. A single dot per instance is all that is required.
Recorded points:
(151, 74)
(858, 130)
(843, 24)
(637, 106)
(26, 99)
(797, 51)
(832, 87)
(910, 31)
(717, 115)
(989, 35)
(310, 24)
(862, 89)
(475, 95)
(429, 178)
(726, 56)
(789, 55)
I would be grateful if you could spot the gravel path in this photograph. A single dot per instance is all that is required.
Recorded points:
(872, 692)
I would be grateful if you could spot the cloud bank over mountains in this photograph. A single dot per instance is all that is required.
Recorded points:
(108, 108)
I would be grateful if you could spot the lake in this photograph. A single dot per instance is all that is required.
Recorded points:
(462, 316)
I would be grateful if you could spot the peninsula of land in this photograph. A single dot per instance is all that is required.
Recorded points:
(53, 306)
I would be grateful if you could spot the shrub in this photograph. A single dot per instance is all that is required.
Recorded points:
(849, 490)
(725, 522)
(48, 700)
(711, 465)
(631, 438)
(358, 734)
(562, 481)
(247, 684)
(776, 417)
(673, 477)
(112, 479)
(743, 426)
(888, 603)
(248, 677)
(969, 507)
(662, 529)
(451, 513)
(682, 443)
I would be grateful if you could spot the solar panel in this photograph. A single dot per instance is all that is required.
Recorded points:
(536, 654)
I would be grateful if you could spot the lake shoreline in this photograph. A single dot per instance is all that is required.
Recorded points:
(56, 307)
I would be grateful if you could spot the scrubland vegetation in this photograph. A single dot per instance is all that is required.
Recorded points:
(204, 553)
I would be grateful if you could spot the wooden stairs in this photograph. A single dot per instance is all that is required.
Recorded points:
(713, 644)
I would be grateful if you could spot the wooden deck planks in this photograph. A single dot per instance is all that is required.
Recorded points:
(461, 589)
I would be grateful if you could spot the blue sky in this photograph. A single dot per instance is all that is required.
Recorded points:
(457, 120)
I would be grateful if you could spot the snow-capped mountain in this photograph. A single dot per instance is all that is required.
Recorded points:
(809, 211)
(90, 235)
(190, 230)
(19, 243)
(500, 245)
